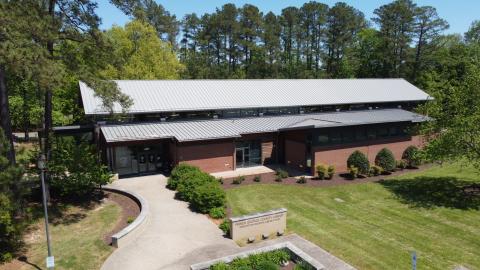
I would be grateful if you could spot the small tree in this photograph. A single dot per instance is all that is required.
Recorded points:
(412, 156)
(358, 160)
(386, 160)
(75, 168)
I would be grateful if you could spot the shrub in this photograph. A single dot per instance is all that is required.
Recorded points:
(178, 172)
(331, 171)
(353, 172)
(386, 160)
(302, 180)
(190, 180)
(257, 178)
(376, 170)
(238, 180)
(412, 156)
(281, 173)
(225, 227)
(220, 180)
(75, 169)
(358, 160)
(322, 171)
(130, 220)
(220, 266)
(217, 212)
(207, 196)
(401, 164)
(278, 178)
(267, 265)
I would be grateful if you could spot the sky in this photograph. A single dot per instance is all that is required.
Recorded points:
(458, 13)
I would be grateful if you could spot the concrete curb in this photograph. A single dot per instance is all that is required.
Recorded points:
(294, 250)
(120, 238)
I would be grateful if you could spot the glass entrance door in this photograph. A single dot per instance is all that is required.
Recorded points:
(243, 156)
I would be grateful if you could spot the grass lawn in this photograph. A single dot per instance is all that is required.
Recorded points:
(76, 238)
(377, 225)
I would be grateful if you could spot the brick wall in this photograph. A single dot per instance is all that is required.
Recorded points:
(213, 156)
(338, 155)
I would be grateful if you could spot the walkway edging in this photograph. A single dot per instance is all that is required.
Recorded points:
(120, 238)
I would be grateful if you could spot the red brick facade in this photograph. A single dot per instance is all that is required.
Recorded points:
(210, 156)
(338, 155)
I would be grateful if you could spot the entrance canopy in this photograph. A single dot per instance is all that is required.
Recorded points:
(230, 128)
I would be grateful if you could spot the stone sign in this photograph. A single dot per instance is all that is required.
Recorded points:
(259, 225)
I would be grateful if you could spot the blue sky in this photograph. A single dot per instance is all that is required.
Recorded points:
(458, 13)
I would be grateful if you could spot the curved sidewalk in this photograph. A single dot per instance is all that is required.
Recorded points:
(173, 237)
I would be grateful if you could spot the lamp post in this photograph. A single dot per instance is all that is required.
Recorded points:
(41, 165)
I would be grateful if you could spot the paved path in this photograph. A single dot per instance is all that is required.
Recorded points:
(173, 238)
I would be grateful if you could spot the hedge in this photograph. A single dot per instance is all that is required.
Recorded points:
(386, 160)
(207, 196)
(191, 180)
(358, 160)
(177, 172)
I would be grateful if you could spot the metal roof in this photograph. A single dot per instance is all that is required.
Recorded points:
(197, 95)
(231, 128)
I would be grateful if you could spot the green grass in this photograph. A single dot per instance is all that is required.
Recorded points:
(378, 224)
(76, 238)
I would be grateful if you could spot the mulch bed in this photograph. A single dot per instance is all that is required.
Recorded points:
(130, 210)
(338, 179)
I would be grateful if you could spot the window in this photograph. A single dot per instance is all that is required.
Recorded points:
(335, 137)
(382, 132)
(392, 131)
(371, 133)
(360, 134)
(322, 139)
(348, 135)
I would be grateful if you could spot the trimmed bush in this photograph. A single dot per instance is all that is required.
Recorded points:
(386, 160)
(208, 195)
(412, 157)
(278, 178)
(401, 164)
(190, 180)
(375, 170)
(238, 180)
(217, 212)
(353, 172)
(322, 171)
(178, 172)
(225, 227)
(330, 171)
(358, 160)
(302, 180)
(257, 178)
(281, 173)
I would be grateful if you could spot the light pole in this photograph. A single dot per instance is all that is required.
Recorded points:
(41, 165)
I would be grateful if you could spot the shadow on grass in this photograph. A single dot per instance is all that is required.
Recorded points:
(428, 192)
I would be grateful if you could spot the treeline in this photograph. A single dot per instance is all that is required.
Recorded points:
(311, 41)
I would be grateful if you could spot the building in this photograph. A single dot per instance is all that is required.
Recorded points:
(221, 125)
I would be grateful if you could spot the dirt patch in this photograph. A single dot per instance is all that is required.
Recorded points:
(130, 211)
(338, 179)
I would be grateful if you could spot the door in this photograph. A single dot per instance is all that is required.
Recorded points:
(242, 155)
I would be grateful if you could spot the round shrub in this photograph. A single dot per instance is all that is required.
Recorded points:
(330, 171)
(281, 173)
(267, 265)
(358, 160)
(225, 227)
(322, 171)
(302, 180)
(207, 196)
(353, 172)
(257, 178)
(411, 156)
(386, 160)
(375, 170)
(178, 172)
(190, 180)
(217, 212)
(401, 164)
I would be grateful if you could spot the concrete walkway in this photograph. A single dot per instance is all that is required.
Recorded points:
(173, 237)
